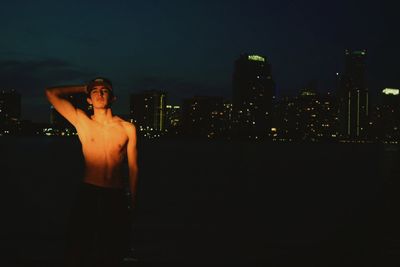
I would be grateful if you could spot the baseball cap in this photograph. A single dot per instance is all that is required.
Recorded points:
(98, 81)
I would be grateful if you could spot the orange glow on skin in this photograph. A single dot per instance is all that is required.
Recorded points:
(106, 140)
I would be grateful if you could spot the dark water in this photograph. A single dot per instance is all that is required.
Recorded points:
(207, 203)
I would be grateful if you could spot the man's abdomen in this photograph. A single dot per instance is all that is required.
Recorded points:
(103, 175)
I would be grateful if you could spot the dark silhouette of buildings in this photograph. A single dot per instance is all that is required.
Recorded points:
(253, 93)
(148, 111)
(173, 120)
(10, 112)
(253, 114)
(203, 116)
(10, 105)
(384, 122)
(353, 96)
(310, 116)
(228, 118)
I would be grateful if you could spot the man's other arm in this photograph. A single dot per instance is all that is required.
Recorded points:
(56, 96)
(132, 161)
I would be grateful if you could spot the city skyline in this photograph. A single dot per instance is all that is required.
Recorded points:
(308, 117)
(189, 49)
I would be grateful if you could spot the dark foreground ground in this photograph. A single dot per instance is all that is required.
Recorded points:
(216, 203)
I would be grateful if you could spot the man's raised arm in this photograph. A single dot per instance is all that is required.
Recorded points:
(57, 97)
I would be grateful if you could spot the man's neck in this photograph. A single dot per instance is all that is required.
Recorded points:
(102, 115)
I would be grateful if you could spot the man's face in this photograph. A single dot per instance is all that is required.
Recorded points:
(100, 97)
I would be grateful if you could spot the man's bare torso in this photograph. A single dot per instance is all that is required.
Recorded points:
(104, 149)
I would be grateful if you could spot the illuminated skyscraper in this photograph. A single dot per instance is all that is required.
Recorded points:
(353, 96)
(148, 110)
(253, 93)
(388, 123)
(173, 119)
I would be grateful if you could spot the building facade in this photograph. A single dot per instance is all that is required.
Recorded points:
(253, 93)
(203, 116)
(148, 111)
(353, 96)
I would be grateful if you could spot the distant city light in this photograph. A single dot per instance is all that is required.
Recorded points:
(362, 53)
(390, 91)
(308, 93)
(256, 58)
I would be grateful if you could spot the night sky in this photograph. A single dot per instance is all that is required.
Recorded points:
(188, 48)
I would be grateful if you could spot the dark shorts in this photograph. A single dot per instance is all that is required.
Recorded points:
(99, 228)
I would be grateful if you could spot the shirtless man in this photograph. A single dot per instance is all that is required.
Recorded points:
(99, 225)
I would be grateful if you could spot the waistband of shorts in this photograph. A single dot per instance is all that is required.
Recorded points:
(102, 188)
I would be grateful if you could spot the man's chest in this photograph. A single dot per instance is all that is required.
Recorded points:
(107, 138)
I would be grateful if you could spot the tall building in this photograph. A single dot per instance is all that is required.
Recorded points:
(173, 119)
(10, 105)
(353, 96)
(228, 117)
(10, 112)
(386, 118)
(253, 93)
(148, 111)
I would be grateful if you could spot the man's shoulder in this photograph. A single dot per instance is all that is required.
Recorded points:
(121, 120)
(126, 124)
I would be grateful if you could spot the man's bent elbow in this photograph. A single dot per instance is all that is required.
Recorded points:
(49, 93)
